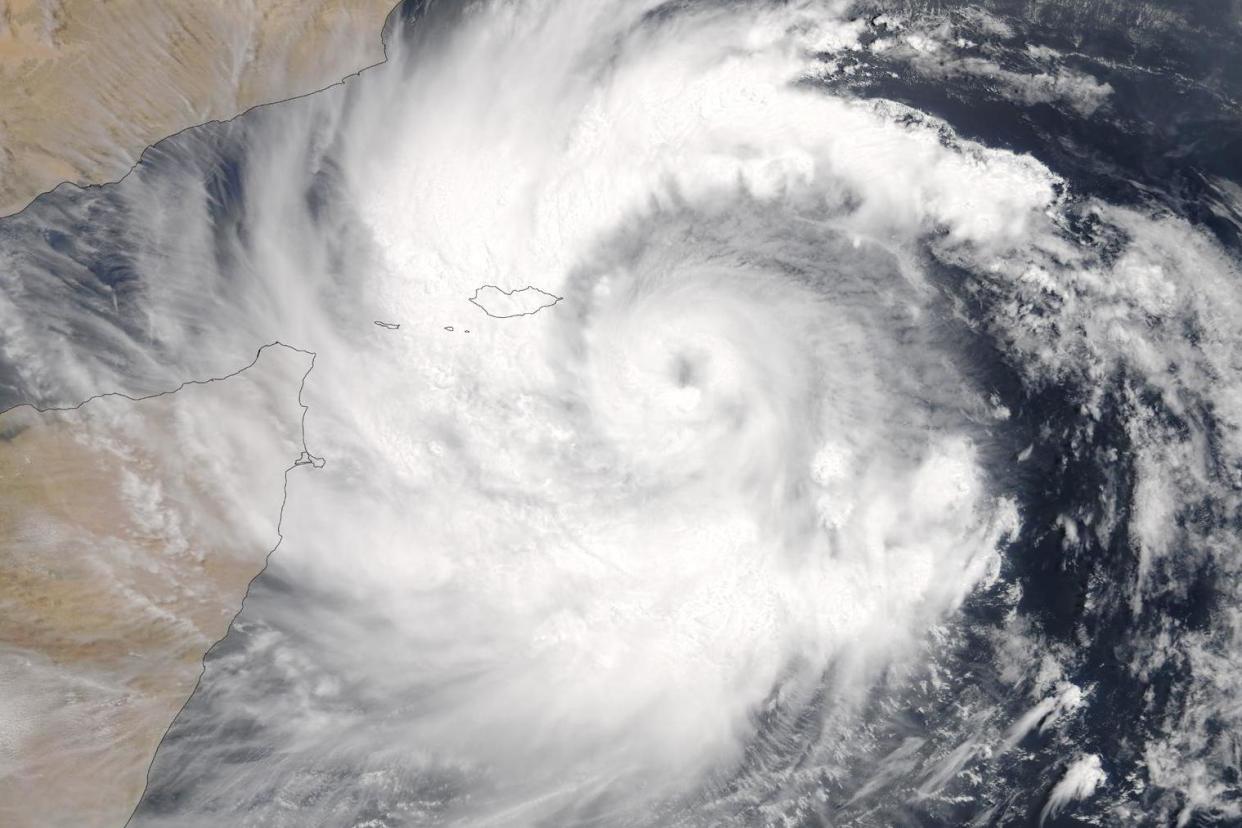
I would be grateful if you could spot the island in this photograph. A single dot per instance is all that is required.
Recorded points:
(506, 304)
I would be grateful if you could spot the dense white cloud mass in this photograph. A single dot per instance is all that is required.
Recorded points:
(673, 541)
(1081, 779)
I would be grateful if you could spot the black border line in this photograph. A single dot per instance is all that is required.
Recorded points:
(143, 154)
(304, 459)
(554, 297)
(259, 353)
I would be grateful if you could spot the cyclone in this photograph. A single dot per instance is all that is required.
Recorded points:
(862, 469)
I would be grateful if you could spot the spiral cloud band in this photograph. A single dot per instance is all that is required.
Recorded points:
(744, 529)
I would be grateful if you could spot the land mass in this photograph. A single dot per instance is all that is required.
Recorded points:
(130, 531)
(505, 304)
(86, 86)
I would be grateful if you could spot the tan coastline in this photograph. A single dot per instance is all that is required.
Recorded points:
(108, 601)
(87, 85)
(129, 533)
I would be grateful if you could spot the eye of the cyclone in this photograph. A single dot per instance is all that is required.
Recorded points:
(689, 409)
(781, 459)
